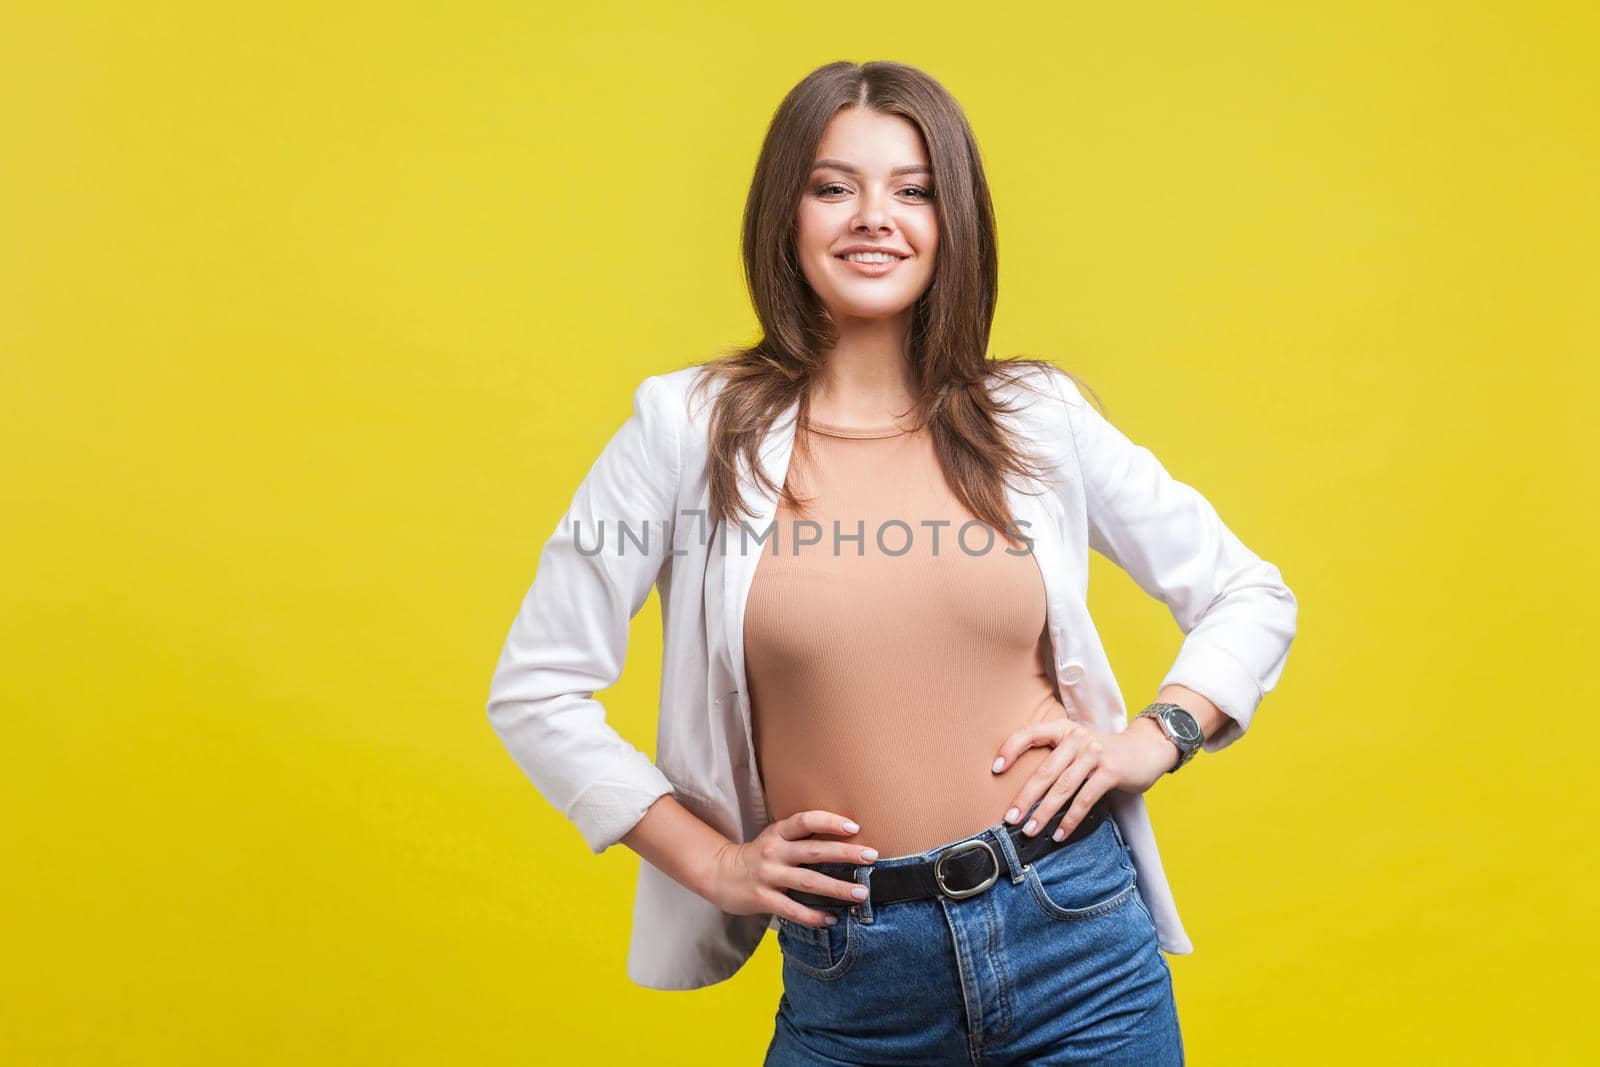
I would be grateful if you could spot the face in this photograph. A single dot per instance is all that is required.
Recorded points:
(873, 188)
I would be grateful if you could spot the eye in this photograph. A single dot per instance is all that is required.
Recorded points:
(834, 187)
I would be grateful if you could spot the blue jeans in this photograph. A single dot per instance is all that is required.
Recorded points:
(1053, 964)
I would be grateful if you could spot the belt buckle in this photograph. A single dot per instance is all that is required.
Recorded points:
(956, 850)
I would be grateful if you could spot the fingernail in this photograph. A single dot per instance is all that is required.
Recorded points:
(1028, 829)
(999, 761)
(850, 826)
(829, 920)
(859, 892)
(869, 854)
(1013, 815)
(1060, 833)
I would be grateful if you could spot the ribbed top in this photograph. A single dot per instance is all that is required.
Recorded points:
(872, 433)
(885, 674)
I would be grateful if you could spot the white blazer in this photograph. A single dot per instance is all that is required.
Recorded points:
(646, 499)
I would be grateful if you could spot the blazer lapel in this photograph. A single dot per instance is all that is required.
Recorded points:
(742, 552)
(1037, 521)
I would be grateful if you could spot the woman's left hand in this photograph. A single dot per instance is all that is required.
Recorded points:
(1132, 761)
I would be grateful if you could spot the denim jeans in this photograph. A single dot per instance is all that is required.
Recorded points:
(1053, 964)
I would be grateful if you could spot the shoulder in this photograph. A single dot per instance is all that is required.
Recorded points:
(1034, 384)
(681, 397)
(1040, 398)
(1045, 406)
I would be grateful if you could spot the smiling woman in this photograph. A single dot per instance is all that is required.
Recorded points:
(893, 692)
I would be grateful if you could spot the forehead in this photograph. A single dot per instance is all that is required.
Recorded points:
(872, 141)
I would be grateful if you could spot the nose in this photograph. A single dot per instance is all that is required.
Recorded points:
(872, 214)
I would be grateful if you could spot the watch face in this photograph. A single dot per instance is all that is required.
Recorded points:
(1183, 724)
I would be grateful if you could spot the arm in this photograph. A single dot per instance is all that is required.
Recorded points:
(1237, 615)
(570, 636)
(680, 844)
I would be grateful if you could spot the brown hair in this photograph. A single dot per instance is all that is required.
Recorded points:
(950, 324)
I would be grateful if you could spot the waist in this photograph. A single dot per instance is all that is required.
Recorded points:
(905, 802)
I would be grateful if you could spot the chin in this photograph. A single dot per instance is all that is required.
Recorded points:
(878, 309)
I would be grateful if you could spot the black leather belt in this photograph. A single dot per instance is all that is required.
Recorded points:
(963, 869)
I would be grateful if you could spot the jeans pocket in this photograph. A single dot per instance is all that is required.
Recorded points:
(823, 952)
(1085, 879)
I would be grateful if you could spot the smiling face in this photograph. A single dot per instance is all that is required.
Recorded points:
(873, 188)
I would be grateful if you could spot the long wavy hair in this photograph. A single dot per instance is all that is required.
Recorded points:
(949, 333)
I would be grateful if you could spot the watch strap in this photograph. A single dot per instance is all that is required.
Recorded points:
(1159, 711)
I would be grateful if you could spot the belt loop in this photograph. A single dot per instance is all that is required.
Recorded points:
(863, 908)
(1009, 849)
(1122, 842)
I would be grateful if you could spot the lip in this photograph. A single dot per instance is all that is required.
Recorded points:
(870, 270)
(847, 249)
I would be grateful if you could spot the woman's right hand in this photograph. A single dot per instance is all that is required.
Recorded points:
(750, 878)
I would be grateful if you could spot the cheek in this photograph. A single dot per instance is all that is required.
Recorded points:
(927, 246)
(816, 227)
(921, 232)
(806, 243)
(807, 229)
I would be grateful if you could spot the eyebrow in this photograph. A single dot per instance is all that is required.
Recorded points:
(839, 164)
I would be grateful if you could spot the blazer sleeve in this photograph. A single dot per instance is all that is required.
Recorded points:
(570, 636)
(1237, 615)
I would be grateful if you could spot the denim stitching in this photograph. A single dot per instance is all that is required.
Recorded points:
(1003, 990)
(1055, 911)
(833, 970)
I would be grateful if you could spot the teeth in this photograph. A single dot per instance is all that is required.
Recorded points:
(871, 257)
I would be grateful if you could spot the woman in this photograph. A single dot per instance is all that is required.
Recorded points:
(888, 727)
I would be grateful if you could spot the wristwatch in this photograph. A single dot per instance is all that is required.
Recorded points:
(1180, 727)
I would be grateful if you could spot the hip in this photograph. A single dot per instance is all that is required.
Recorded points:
(1055, 961)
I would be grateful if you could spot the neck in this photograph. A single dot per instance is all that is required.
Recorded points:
(867, 376)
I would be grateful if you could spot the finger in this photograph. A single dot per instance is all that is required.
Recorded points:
(1094, 787)
(1049, 732)
(821, 850)
(1045, 775)
(780, 875)
(803, 824)
(1059, 794)
(794, 911)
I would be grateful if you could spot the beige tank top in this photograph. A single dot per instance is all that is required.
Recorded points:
(886, 669)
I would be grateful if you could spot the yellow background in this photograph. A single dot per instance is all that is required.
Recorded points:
(313, 315)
